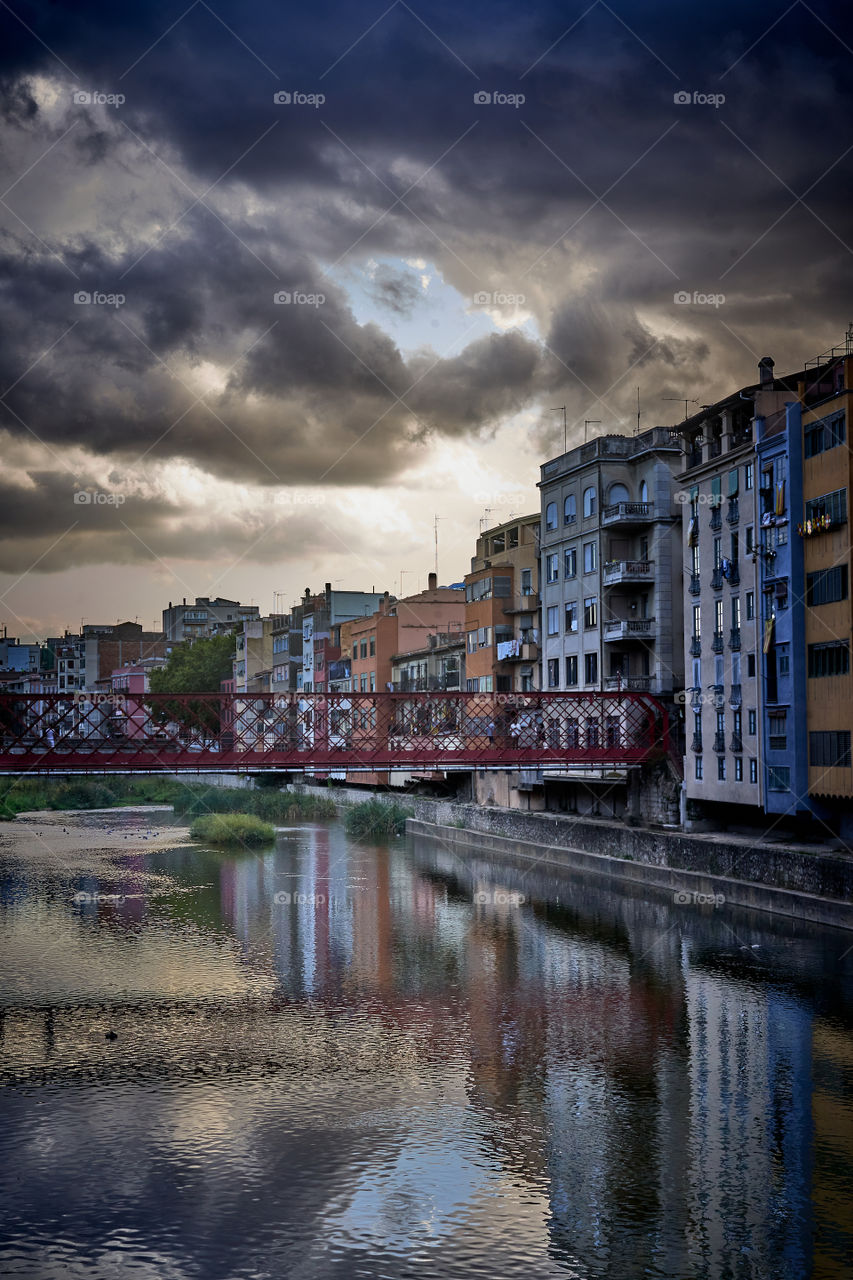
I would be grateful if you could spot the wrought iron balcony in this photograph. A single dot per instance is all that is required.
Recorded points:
(734, 574)
(719, 694)
(697, 742)
(736, 696)
(734, 638)
(736, 743)
(695, 584)
(717, 579)
(733, 513)
(716, 518)
(696, 647)
(718, 643)
(719, 742)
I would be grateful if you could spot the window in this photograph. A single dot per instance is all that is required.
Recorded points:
(721, 722)
(589, 503)
(748, 475)
(571, 617)
(778, 725)
(363, 648)
(716, 491)
(750, 606)
(553, 672)
(498, 543)
(831, 659)
(570, 562)
(481, 590)
(590, 557)
(590, 612)
(697, 620)
(736, 612)
(826, 585)
(373, 682)
(830, 749)
(373, 646)
(721, 768)
(749, 534)
(778, 778)
(699, 769)
(750, 720)
(355, 652)
(823, 435)
(733, 483)
(617, 493)
(590, 668)
(694, 559)
(570, 509)
(552, 567)
(479, 639)
(831, 507)
(718, 615)
(572, 670)
(753, 770)
(512, 538)
(364, 683)
(550, 517)
(718, 552)
(750, 665)
(784, 660)
(527, 582)
(553, 620)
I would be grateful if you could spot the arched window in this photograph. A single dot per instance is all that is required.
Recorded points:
(570, 509)
(550, 516)
(588, 503)
(618, 493)
(644, 492)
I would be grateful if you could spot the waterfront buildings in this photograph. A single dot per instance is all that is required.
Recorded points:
(86, 661)
(502, 609)
(204, 618)
(321, 614)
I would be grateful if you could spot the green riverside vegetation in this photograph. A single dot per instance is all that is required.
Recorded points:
(231, 829)
(374, 819)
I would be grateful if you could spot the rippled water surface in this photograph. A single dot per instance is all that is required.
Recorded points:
(334, 1059)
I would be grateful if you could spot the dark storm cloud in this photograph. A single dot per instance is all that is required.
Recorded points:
(598, 199)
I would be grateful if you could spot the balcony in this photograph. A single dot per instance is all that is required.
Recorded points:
(718, 643)
(720, 742)
(628, 571)
(734, 638)
(716, 518)
(697, 742)
(695, 699)
(719, 695)
(736, 743)
(696, 647)
(633, 684)
(695, 584)
(733, 575)
(524, 653)
(733, 513)
(624, 514)
(736, 696)
(630, 629)
(522, 604)
(717, 579)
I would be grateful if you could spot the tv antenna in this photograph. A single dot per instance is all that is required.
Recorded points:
(682, 400)
(590, 422)
(562, 409)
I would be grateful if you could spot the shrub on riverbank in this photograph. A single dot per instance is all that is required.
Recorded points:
(373, 819)
(272, 806)
(231, 829)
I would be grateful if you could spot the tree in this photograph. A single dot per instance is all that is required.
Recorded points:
(199, 666)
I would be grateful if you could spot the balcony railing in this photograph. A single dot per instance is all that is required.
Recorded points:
(719, 694)
(736, 696)
(628, 571)
(718, 643)
(733, 513)
(716, 518)
(734, 638)
(697, 742)
(695, 647)
(736, 743)
(633, 684)
(733, 576)
(522, 604)
(695, 699)
(628, 513)
(717, 579)
(695, 584)
(629, 629)
(719, 742)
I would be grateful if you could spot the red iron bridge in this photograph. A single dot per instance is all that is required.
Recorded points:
(337, 732)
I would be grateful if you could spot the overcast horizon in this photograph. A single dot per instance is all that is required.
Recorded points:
(279, 288)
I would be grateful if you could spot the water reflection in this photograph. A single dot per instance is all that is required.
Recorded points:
(337, 1059)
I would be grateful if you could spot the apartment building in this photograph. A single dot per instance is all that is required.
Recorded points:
(253, 658)
(16, 655)
(502, 609)
(611, 565)
(823, 533)
(399, 626)
(204, 618)
(320, 614)
(87, 660)
(438, 665)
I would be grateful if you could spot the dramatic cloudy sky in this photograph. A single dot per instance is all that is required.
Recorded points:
(455, 270)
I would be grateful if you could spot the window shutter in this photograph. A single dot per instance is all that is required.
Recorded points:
(733, 483)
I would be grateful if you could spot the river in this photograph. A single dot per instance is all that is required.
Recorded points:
(335, 1059)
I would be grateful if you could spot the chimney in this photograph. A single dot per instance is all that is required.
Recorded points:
(433, 582)
(185, 600)
(765, 371)
(328, 592)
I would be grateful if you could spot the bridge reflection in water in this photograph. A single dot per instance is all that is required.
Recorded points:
(118, 733)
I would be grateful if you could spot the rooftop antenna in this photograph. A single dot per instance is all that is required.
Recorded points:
(435, 528)
(590, 422)
(638, 410)
(682, 400)
(562, 409)
(484, 519)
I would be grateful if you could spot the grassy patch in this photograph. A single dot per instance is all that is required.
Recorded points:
(373, 819)
(232, 828)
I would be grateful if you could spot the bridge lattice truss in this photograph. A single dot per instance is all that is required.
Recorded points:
(114, 732)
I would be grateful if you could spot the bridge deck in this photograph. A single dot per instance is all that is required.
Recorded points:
(125, 733)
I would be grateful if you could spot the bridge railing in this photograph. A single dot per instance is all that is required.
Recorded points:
(118, 732)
